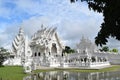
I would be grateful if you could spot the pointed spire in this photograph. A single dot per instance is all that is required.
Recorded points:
(21, 32)
(42, 26)
(18, 41)
(83, 39)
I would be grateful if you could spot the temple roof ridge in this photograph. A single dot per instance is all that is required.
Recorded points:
(18, 41)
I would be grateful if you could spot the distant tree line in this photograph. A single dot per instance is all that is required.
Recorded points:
(68, 50)
(106, 49)
(3, 55)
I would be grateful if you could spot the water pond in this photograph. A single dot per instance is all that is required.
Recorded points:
(66, 75)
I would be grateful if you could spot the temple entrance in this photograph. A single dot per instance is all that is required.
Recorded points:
(53, 49)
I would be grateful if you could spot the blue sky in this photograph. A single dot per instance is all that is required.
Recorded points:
(73, 20)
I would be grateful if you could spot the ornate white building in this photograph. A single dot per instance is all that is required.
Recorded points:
(84, 44)
(44, 49)
(87, 56)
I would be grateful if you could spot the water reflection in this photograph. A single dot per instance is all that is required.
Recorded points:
(65, 75)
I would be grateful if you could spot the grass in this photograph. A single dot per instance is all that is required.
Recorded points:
(16, 72)
(11, 73)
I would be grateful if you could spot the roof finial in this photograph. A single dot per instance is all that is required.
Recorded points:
(42, 26)
(21, 31)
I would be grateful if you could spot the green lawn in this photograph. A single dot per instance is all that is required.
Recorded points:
(16, 72)
(11, 73)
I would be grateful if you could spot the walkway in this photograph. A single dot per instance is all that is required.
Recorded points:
(96, 68)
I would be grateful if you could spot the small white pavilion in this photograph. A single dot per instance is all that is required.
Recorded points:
(87, 56)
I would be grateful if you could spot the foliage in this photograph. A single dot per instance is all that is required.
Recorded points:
(3, 55)
(114, 50)
(105, 49)
(111, 23)
(68, 50)
(1, 59)
(11, 73)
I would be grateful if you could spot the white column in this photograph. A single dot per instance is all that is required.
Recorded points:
(96, 59)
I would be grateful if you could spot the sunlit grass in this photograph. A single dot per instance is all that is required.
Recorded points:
(11, 73)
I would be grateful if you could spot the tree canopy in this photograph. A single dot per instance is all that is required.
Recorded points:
(111, 22)
(105, 49)
(68, 50)
(114, 50)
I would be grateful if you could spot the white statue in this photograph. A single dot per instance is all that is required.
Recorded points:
(28, 67)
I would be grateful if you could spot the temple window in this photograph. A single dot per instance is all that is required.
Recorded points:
(93, 59)
(100, 59)
(81, 60)
(85, 59)
(104, 59)
(49, 53)
(62, 54)
(39, 54)
(44, 54)
(35, 54)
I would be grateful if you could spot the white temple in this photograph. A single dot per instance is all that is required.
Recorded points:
(44, 49)
(87, 56)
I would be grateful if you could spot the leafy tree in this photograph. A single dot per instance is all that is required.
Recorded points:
(111, 14)
(115, 50)
(105, 49)
(72, 51)
(68, 50)
(3, 55)
(1, 59)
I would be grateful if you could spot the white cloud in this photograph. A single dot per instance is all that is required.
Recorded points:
(7, 33)
(113, 43)
(33, 24)
(72, 20)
